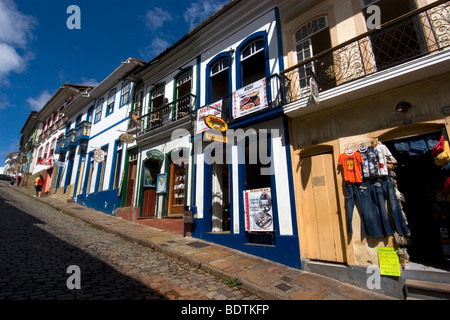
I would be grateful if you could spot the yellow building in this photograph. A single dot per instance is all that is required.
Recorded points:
(359, 74)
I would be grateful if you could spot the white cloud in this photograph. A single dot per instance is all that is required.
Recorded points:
(155, 19)
(200, 10)
(15, 35)
(157, 46)
(89, 82)
(36, 104)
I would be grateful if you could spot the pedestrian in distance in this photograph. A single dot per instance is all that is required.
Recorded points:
(13, 180)
(19, 178)
(38, 185)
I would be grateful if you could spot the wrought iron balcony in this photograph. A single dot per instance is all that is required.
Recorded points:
(70, 139)
(414, 35)
(61, 145)
(165, 115)
(83, 132)
(275, 95)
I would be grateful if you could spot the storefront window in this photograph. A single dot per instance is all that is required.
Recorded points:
(177, 187)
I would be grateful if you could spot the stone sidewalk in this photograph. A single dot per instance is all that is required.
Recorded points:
(269, 280)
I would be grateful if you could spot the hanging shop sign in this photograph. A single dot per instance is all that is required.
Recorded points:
(388, 262)
(126, 138)
(258, 210)
(99, 155)
(250, 99)
(214, 109)
(155, 155)
(215, 137)
(216, 123)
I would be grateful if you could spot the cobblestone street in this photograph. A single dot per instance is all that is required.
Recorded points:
(39, 244)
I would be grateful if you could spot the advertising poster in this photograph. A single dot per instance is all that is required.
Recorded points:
(161, 183)
(250, 99)
(258, 210)
(388, 262)
(214, 109)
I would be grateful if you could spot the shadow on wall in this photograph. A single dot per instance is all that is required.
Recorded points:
(106, 201)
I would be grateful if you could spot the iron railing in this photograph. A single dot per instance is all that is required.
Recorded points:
(411, 36)
(165, 115)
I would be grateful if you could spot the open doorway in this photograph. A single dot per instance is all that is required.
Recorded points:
(424, 199)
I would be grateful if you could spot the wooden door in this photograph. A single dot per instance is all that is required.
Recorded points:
(177, 188)
(130, 185)
(322, 235)
(149, 204)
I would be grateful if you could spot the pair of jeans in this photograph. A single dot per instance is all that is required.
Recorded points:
(360, 194)
(385, 189)
(379, 197)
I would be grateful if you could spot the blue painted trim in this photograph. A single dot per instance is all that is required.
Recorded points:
(113, 164)
(110, 127)
(199, 61)
(69, 170)
(279, 39)
(77, 176)
(58, 180)
(86, 173)
(287, 143)
(91, 109)
(247, 41)
(262, 116)
(129, 92)
(99, 169)
(114, 103)
(216, 59)
(99, 102)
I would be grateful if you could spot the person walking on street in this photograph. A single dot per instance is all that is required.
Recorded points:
(19, 178)
(38, 185)
(13, 180)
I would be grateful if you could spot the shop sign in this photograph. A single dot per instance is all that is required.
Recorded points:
(45, 162)
(155, 155)
(388, 262)
(188, 216)
(250, 99)
(214, 109)
(215, 137)
(99, 155)
(126, 138)
(258, 210)
(216, 123)
(161, 183)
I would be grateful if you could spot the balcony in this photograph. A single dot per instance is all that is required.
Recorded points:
(82, 132)
(165, 115)
(70, 139)
(404, 42)
(61, 145)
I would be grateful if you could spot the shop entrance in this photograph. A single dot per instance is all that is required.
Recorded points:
(151, 169)
(425, 202)
(322, 234)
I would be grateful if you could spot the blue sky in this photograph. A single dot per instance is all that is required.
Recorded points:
(38, 53)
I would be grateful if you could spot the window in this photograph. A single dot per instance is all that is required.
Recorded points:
(220, 79)
(125, 96)
(139, 97)
(111, 100)
(184, 84)
(52, 147)
(101, 172)
(46, 150)
(312, 38)
(98, 110)
(253, 62)
(90, 114)
(118, 164)
(157, 98)
(78, 121)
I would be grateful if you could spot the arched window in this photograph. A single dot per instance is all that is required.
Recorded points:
(253, 61)
(219, 79)
(310, 39)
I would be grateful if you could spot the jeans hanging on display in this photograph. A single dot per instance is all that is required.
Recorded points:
(379, 197)
(386, 191)
(361, 194)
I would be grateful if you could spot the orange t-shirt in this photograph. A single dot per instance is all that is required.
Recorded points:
(351, 163)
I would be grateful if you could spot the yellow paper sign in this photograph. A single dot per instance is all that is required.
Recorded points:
(388, 262)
